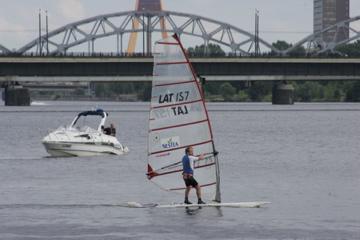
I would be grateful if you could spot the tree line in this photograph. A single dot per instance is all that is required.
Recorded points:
(305, 91)
(257, 91)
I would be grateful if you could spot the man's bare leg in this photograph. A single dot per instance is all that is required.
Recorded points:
(187, 191)
(198, 193)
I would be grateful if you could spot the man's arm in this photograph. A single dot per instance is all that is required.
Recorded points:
(192, 161)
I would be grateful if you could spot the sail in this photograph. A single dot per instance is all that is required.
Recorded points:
(178, 119)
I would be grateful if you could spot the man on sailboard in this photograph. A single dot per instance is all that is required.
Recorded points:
(188, 174)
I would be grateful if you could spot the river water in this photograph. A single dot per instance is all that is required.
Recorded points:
(303, 158)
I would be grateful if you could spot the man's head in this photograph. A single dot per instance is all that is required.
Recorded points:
(189, 150)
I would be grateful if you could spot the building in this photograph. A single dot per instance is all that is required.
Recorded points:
(328, 13)
(151, 5)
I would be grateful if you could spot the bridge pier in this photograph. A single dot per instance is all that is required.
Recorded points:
(16, 95)
(282, 93)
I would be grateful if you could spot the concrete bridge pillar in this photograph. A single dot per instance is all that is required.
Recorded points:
(16, 95)
(282, 93)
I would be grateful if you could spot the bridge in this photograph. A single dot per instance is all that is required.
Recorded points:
(50, 70)
(123, 26)
(101, 69)
(86, 33)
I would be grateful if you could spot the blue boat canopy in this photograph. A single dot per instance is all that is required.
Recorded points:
(98, 112)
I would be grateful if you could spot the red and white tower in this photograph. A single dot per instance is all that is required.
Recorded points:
(144, 6)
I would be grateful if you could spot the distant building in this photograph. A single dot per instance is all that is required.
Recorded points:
(328, 13)
(152, 5)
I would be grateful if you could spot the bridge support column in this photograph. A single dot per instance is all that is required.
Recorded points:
(17, 96)
(282, 93)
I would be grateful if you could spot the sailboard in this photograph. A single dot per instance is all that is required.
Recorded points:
(182, 205)
(178, 119)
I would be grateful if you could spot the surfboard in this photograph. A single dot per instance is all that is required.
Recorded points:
(182, 205)
(230, 205)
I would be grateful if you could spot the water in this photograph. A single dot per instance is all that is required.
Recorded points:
(303, 158)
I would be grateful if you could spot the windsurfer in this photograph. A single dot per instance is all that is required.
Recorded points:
(188, 174)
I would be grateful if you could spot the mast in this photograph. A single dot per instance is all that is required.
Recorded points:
(218, 193)
(217, 167)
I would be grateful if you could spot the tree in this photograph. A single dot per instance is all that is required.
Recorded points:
(79, 92)
(242, 96)
(100, 89)
(298, 52)
(212, 87)
(309, 91)
(227, 91)
(350, 50)
(332, 92)
(145, 93)
(121, 88)
(353, 93)
(283, 45)
(212, 50)
(258, 90)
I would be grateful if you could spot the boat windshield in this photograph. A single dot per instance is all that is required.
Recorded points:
(92, 119)
(87, 121)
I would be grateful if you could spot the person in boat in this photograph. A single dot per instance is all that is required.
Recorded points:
(109, 130)
(112, 130)
(105, 130)
(188, 174)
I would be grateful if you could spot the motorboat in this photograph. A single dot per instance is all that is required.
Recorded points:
(78, 140)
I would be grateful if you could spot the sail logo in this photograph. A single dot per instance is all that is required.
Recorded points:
(172, 142)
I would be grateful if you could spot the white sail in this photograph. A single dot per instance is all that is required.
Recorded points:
(178, 119)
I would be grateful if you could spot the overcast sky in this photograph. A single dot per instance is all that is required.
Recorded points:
(288, 20)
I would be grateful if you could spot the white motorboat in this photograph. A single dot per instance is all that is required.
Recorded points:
(82, 141)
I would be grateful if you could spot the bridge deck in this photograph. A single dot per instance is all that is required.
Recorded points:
(194, 60)
(140, 69)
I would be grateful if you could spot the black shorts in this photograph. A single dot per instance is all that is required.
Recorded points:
(190, 181)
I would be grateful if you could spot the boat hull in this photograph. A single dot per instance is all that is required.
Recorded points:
(58, 149)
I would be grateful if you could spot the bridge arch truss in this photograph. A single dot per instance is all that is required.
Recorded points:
(4, 50)
(61, 40)
(315, 45)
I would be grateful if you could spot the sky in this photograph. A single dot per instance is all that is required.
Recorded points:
(288, 20)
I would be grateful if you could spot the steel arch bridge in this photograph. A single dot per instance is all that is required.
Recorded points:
(4, 50)
(119, 24)
(315, 45)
